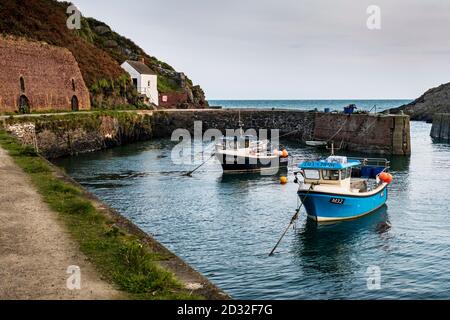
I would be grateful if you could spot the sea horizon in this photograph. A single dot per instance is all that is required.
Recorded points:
(311, 104)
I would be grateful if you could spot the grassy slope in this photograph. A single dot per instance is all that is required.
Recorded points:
(118, 255)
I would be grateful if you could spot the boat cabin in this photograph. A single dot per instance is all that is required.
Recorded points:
(335, 170)
(237, 142)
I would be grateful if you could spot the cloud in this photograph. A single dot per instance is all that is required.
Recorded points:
(291, 48)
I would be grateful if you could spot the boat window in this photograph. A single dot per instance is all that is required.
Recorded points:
(311, 174)
(348, 173)
(330, 174)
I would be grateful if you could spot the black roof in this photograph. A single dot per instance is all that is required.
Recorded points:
(140, 67)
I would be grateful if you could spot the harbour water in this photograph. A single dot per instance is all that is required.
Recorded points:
(225, 226)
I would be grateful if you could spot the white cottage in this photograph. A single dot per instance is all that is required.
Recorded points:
(144, 79)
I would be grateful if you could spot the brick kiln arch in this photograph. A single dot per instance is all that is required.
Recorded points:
(47, 76)
(74, 103)
(24, 104)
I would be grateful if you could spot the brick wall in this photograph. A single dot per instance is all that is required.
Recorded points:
(172, 100)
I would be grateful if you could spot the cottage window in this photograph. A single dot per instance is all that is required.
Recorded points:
(149, 83)
(73, 85)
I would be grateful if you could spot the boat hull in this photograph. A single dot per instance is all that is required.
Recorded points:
(324, 207)
(248, 164)
(317, 144)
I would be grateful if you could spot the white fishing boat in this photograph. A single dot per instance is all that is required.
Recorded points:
(248, 154)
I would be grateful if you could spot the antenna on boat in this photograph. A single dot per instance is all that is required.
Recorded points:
(332, 148)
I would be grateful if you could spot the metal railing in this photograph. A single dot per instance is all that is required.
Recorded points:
(372, 162)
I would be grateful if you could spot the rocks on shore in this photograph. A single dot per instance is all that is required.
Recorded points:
(435, 100)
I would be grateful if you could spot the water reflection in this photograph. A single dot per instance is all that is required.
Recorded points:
(400, 163)
(329, 248)
(239, 178)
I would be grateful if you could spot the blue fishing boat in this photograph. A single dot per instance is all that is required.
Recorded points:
(341, 188)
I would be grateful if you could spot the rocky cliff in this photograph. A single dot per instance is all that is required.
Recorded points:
(436, 100)
(98, 50)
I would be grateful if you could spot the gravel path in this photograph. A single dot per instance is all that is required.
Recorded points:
(35, 248)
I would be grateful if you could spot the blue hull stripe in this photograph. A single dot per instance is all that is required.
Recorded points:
(324, 206)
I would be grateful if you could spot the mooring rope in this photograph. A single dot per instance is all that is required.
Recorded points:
(340, 129)
(191, 172)
(293, 219)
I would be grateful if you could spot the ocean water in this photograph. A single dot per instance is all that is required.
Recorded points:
(225, 225)
(334, 105)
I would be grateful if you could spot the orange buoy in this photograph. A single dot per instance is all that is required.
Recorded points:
(386, 177)
(283, 180)
(284, 153)
(389, 178)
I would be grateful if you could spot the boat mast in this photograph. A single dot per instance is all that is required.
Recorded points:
(240, 124)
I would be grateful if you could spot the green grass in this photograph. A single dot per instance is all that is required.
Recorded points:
(167, 85)
(119, 107)
(118, 256)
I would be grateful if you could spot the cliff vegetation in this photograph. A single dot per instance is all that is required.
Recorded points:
(98, 50)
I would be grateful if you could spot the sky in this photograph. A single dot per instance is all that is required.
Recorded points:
(291, 49)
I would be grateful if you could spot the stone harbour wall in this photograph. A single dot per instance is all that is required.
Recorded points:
(440, 129)
(364, 133)
(62, 135)
(65, 135)
(374, 134)
(295, 125)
